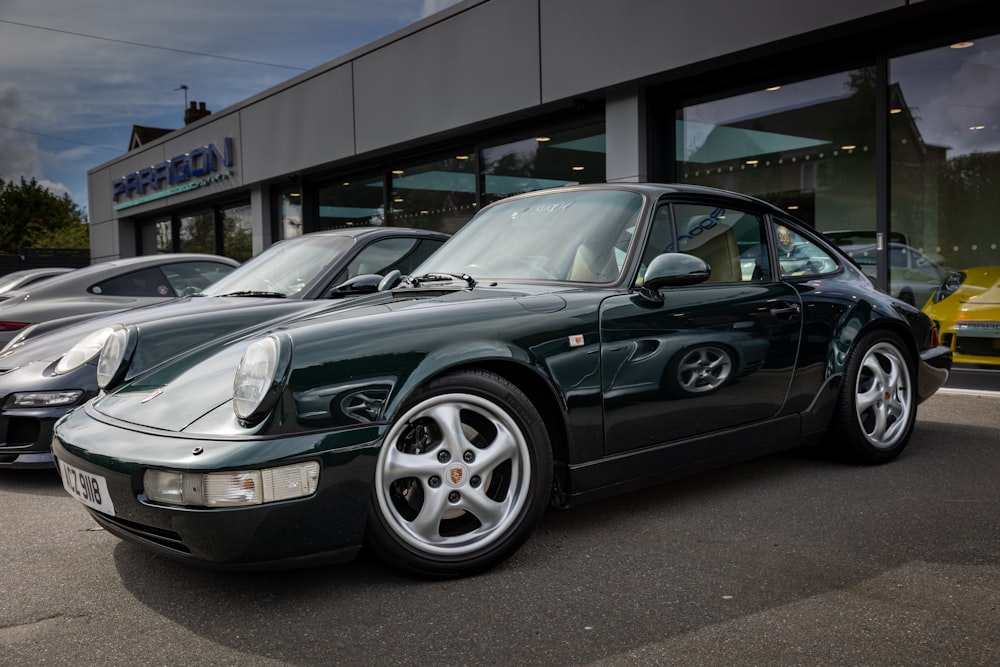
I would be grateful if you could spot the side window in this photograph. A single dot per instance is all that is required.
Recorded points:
(388, 254)
(731, 242)
(193, 277)
(144, 282)
(798, 256)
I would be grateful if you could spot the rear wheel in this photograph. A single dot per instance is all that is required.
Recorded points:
(877, 405)
(462, 479)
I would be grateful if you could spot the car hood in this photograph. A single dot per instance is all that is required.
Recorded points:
(179, 395)
(981, 286)
(168, 327)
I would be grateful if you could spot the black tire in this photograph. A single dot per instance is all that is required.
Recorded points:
(877, 406)
(463, 478)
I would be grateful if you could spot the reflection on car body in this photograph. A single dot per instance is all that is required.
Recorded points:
(434, 422)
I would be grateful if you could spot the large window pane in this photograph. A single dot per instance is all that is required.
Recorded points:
(290, 213)
(542, 161)
(808, 146)
(164, 235)
(945, 152)
(237, 230)
(197, 233)
(438, 195)
(351, 203)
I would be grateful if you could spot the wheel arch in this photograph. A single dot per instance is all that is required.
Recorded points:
(535, 386)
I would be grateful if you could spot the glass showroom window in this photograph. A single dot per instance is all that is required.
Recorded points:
(352, 202)
(542, 161)
(197, 233)
(438, 195)
(164, 230)
(289, 210)
(237, 233)
(808, 146)
(945, 153)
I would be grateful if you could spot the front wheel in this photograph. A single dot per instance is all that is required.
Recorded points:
(877, 405)
(463, 477)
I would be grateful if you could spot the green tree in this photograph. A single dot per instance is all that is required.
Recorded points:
(32, 216)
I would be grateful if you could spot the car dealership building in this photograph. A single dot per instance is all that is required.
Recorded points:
(877, 120)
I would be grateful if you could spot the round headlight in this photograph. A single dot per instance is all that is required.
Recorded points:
(115, 358)
(258, 380)
(949, 286)
(84, 351)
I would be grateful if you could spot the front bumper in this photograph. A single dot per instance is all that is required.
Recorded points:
(327, 526)
(26, 437)
(932, 371)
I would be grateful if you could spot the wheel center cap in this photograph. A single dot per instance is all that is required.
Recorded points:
(456, 474)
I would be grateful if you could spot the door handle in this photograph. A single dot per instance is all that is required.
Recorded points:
(789, 310)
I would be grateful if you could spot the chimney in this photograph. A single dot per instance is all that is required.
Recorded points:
(195, 111)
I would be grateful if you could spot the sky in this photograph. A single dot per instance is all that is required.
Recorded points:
(75, 76)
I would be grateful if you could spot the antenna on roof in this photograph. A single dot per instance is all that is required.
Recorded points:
(184, 87)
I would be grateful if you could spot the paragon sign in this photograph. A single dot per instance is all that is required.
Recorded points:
(194, 169)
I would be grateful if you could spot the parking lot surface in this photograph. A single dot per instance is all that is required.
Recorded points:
(787, 560)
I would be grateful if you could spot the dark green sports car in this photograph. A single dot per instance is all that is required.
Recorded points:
(564, 345)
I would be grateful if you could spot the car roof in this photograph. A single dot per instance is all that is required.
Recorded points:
(101, 270)
(373, 230)
(654, 190)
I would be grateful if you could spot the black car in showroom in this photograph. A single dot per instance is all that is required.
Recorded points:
(562, 346)
(51, 368)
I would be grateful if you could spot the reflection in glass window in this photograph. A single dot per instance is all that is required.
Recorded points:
(237, 230)
(290, 213)
(799, 256)
(542, 161)
(351, 203)
(383, 256)
(731, 242)
(286, 268)
(807, 146)
(945, 153)
(577, 236)
(164, 235)
(197, 233)
(438, 195)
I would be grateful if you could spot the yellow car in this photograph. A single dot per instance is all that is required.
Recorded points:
(967, 308)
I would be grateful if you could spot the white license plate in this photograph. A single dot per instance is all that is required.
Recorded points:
(89, 489)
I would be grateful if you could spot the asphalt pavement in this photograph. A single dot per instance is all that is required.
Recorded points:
(791, 559)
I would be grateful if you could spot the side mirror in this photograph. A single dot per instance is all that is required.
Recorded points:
(675, 269)
(366, 283)
(391, 279)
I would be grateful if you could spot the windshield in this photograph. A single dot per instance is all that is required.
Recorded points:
(287, 268)
(579, 236)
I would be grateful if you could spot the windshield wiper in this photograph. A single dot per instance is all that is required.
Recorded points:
(269, 295)
(437, 277)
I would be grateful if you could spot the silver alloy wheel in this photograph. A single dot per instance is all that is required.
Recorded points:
(453, 475)
(704, 369)
(883, 395)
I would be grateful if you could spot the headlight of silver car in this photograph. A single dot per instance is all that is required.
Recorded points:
(260, 378)
(88, 348)
(18, 340)
(116, 356)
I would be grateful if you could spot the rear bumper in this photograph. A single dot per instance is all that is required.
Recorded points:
(932, 371)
